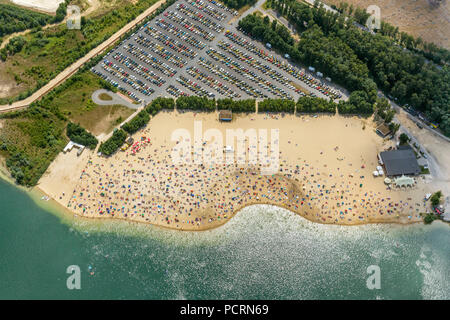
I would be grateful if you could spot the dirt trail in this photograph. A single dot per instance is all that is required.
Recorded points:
(77, 65)
(93, 5)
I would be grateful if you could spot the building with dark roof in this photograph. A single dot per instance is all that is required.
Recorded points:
(225, 115)
(400, 162)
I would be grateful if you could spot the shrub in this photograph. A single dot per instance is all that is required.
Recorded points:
(196, 103)
(78, 134)
(111, 145)
(312, 105)
(248, 105)
(138, 122)
(276, 105)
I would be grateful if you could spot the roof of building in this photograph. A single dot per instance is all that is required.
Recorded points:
(404, 147)
(225, 115)
(400, 162)
(383, 129)
(72, 144)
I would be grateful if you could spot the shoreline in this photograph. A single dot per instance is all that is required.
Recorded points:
(35, 193)
(57, 180)
(72, 216)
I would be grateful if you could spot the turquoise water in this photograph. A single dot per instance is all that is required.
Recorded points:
(263, 253)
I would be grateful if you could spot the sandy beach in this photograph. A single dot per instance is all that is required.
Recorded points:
(325, 175)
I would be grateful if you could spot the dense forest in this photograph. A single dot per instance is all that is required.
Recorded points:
(16, 19)
(360, 61)
(237, 4)
(111, 145)
(78, 134)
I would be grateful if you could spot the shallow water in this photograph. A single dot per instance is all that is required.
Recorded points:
(262, 253)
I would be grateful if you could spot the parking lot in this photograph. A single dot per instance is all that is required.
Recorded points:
(191, 49)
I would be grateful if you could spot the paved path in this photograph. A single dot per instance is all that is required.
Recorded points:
(61, 77)
(115, 99)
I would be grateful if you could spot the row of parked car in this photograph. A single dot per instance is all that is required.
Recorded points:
(154, 62)
(225, 75)
(195, 73)
(174, 91)
(298, 74)
(224, 7)
(171, 43)
(199, 17)
(139, 69)
(115, 84)
(247, 58)
(126, 77)
(183, 35)
(249, 74)
(208, 9)
(194, 87)
(176, 17)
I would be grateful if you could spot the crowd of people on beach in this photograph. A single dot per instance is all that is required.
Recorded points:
(144, 185)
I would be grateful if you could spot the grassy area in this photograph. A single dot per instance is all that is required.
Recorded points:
(48, 52)
(31, 139)
(267, 5)
(76, 104)
(105, 97)
(429, 218)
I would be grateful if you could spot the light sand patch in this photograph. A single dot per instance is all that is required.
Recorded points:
(325, 175)
(64, 173)
(44, 5)
(418, 18)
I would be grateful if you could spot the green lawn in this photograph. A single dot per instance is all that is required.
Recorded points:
(48, 52)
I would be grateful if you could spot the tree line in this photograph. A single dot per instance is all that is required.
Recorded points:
(237, 4)
(359, 60)
(429, 50)
(247, 105)
(196, 103)
(139, 121)
(111, 145)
